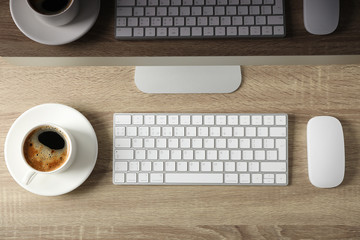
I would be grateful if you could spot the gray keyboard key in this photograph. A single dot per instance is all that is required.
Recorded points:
(173, 32)
(138, 32)
(150, 32)
(196, 31)
(124, 11)
(121, 22)
(185, 31)
(275, 20)
(161, 32)
(243, 31)
(123, 32)
(279, 30)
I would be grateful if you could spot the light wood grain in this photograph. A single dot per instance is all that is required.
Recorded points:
(100, 40)
(100, 210)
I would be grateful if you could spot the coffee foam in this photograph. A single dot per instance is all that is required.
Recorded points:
(41, 157)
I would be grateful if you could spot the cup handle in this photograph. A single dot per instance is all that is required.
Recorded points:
(30, 174)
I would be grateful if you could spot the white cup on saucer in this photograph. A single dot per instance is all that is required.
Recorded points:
(55, 12)
(46, 149)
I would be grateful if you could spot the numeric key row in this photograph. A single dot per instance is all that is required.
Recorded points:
(170, 166)
(201, 131)
(124, 119)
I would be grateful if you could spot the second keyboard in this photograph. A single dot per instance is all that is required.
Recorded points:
(157, 19)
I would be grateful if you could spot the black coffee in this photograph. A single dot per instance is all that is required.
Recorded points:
(52, 140)
(45, 148)
(49, 7)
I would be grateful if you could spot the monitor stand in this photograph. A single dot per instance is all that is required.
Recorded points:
(188, 79)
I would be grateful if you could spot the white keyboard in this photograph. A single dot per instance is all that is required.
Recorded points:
(200, 149)
(166, 19)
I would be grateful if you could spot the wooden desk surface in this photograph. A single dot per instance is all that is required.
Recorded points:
(100, 41)
(100, 210)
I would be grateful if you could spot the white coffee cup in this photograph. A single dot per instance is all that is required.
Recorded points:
(31, 172)
(56, 18)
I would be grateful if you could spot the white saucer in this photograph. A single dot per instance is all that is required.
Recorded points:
(86, 142)
(39, 31)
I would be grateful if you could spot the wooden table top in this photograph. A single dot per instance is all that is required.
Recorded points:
(100, 210)
(100, 41)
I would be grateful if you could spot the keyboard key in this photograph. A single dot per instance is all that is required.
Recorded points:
(205, 166)
(143, 177)
(256, 178)
(218, 166)
(194, 178)
(277, 131)
(123, 119)
(119, 177)
(140, 154)
(194, 166)
(254, 166)
(241, 166)
(122, 142)
(173, 120)
(220, 120)
(124, 154)
(152, 154)
(280, 120)
(231, 178)
(149, 119)
(279, 30)
(145, 166)
(280, 178)
(124, 11)
(271, 155)
(133, 166)
(244, 120)
(158, 166)
(244, 178)
(131, 177)
(121, 166)
(209, 120)
(156, 177)
(137, 143)
(273, 166)
(235, 155)
(170, 166)
(185, 120)
(275, 20)
(126, 2)
(256, 120)
(181, 166)
(161, 120)
(230, 166)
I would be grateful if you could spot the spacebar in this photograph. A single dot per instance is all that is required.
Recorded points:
(193, 178)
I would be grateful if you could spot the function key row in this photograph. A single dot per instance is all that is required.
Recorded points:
(127, 119)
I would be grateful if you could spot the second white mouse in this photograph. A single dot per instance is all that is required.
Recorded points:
(321, 16)
(326, 152)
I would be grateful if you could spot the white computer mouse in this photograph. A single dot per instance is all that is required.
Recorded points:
(326, 152)
(321, 16)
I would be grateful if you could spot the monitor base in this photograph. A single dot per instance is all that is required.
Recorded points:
(188, 79)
